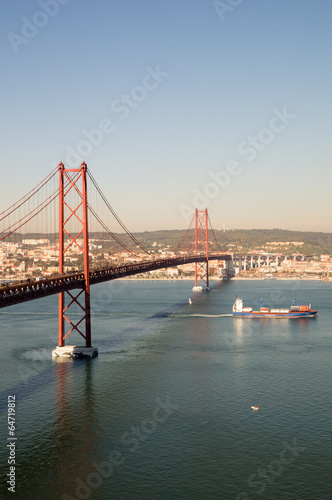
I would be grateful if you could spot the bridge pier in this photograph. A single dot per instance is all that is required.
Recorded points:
(74, 351)
(201, 243)
(240, 264)
(76, 187)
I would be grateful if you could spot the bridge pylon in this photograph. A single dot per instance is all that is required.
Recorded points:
(201, 248)
(73, 208)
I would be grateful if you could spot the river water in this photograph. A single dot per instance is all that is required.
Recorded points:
(163, 412)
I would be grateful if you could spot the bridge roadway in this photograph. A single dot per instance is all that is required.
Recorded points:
(30, 290)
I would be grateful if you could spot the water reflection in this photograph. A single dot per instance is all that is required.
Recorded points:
(76, 426)
(242, 328)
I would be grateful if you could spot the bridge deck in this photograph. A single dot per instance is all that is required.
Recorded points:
(31, 290)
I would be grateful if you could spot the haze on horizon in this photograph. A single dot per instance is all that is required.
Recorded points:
(174, 105)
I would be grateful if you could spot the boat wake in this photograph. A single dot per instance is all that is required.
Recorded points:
(202, 315)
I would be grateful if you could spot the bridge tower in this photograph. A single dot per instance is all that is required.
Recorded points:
(73, 211)
(201, 247)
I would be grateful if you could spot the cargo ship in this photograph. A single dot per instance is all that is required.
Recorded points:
(295, 311)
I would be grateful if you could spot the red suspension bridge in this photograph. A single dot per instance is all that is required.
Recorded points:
(57, 210)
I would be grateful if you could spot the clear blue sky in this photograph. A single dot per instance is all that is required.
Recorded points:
(207, 86)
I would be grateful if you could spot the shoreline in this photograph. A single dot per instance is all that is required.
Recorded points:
(235, 278)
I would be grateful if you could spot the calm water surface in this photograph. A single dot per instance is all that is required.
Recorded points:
(163, 412)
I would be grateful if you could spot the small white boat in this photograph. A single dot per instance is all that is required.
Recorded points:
(254, 408)
(190, 302)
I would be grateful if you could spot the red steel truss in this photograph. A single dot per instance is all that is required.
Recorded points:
(73, 205)
(201, 246)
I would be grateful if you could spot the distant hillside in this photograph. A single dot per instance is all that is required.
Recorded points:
(235, 240)
(271, 240)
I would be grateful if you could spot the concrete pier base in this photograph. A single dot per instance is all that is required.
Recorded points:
(74, 351)
(201, 288)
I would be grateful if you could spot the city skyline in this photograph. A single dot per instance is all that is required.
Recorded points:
(222, 105)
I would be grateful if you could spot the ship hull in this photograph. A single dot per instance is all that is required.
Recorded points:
(291, 315)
